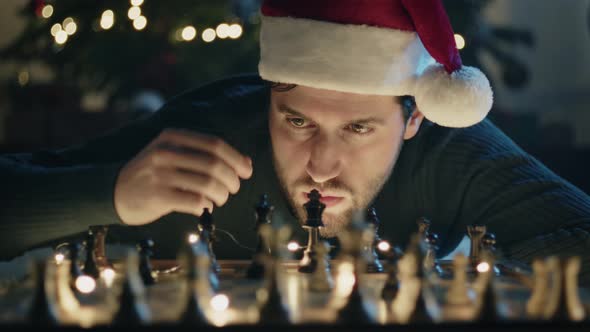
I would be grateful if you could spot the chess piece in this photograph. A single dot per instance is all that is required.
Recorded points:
(207, 234)
(551, 304)
(488, 243)
(476, 234)
(409, 306)
(42, 311)
(145, 250)
(458, 293)
(374, 265)
(90, 268)
(570, 307)
(391, 286)
(536, 302)
(431, 242)
(314, 209)
(74, 256)
(487, 296)
(263, 213)
(423, 226)
(272, 310)
(133, 307)
(321, 278)
(196, 264)
(100, 257)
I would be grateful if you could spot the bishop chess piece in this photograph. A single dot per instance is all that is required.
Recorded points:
(133, 307)
(198, 287)
(321, 279)
(374, 265)
(476, 234)
(272, 310)
(313, 223)
(207, 234)
(145, 249)
(263, 214)
(90, 266)
(42, 310)
(353, 240)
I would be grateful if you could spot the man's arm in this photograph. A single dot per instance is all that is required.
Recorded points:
(532, 211)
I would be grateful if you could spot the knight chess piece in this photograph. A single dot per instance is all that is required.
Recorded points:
(133, 307)
(90, 267)
(206, 229)
(321, 279)
(374, 265)
(263, 214)
(145, 249)
(41, 311)
(313, 223)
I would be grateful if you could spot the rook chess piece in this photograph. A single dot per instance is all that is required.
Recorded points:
(145, 250)
(263, 213)
(374, 265)
(314, 209)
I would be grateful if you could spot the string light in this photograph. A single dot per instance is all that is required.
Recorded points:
(107, 20)
(383, 246)
(85, 284)
(23, 79)
(483, 267)
(47, 11)
(136, 2)
(55, 29)
(70, 27)
(140, 23)
(222, 31)
(59, 258)
(193, 238)
(208, 35)
(134, 12)
(220, 302)
(460, 41)
(61, 37)
(189, 33)
(293, 246)
(235, 31)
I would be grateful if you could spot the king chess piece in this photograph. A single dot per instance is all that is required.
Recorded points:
(207, 234)
(373, 265)
(263, 214)
(313, 223)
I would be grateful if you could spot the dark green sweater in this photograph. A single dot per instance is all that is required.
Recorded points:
(454, 177)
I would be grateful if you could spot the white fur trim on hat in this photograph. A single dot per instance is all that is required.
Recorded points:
(459, 99)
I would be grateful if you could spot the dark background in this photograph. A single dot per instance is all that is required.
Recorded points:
(534, 52)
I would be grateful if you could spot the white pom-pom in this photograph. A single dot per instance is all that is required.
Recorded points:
(460, 99)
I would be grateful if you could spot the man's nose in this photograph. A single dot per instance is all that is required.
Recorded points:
(325, 160)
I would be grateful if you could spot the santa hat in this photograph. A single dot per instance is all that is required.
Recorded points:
(380, 47)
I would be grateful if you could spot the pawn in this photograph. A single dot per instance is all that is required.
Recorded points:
(321, 278)
(90, 267)
(145, 249)
(373, 265)
(207, 234)
(409, 305)
(42, 311)
(133, 307)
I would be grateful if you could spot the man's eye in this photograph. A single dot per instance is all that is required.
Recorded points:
(359, 128)
(296, 122)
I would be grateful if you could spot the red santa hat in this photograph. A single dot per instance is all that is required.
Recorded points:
(380, 47)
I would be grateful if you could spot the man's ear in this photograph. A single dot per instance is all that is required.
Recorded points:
(413, 124)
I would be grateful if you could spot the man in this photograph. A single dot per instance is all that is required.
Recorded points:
(368, 105)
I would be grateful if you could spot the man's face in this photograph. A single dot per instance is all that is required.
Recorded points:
(342, 144)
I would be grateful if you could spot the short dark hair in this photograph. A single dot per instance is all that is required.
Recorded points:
(408, 103)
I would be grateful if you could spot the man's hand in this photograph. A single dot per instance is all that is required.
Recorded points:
(179, 171)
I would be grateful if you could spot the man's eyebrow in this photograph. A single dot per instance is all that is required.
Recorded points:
(287, 110)
(362, 121)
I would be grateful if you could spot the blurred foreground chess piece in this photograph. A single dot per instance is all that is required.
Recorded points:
(74, 257)
(476, 234)
(263, 215)
(206, 228)
(321, 279)
(90, 267)
(42, 310)
(373, 265)
(133, 307)
(194, 260)
(391, 286)
(313, 223)
(145, 250)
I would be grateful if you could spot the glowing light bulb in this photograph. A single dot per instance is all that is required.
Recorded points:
(55, 29)
(235, 31)
(293, 246)
(134, 12)
(47, 11)
(136, 2)
(208, 35)
(383, 246)
(140, 23)
(85, 284)
(193, 238)
(108, 275)
(483, 267)
(222, 30)
(59, 258)
(108, 13)
(460, 41)
(70, 28)
(189, 33)
(61, 37)
(220, 302)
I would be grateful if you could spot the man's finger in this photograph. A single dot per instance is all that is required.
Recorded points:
(185, 202)
(196, 183)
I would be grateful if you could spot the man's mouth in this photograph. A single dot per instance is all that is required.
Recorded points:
(328, 199)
